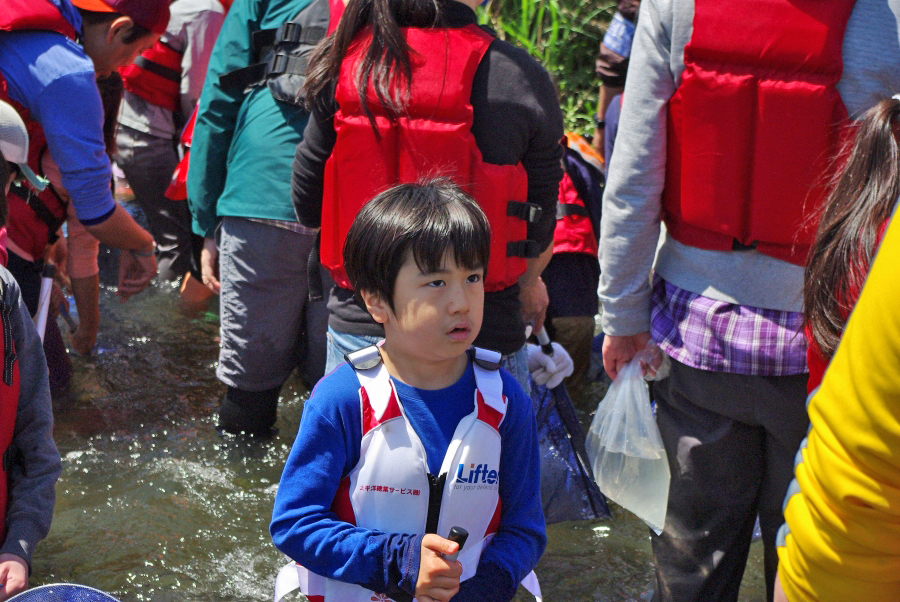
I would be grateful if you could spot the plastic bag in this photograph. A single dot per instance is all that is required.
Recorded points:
(626, 450)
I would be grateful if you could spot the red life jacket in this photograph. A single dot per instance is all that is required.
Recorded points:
(574, 233)
(177, 190)
(34, 14)
(33, 218)
(155, 75)
(30, 223)
(574, 230)
(9, 395)
(754, 124)
(433, 137)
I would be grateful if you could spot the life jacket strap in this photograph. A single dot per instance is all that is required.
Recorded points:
(157, 69)
(529, 249)
(564, 209)
(529, 212)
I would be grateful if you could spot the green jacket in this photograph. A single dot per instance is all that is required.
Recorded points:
(243, 144)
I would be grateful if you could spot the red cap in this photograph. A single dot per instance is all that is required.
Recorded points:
(151, 14)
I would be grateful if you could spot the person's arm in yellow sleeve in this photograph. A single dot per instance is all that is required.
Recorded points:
(841, 540)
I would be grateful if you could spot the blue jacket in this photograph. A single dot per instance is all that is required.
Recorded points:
(327, 448)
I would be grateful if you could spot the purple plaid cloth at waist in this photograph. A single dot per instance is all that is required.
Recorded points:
(725, 337)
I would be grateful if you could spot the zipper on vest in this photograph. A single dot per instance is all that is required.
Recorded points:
(435, 494)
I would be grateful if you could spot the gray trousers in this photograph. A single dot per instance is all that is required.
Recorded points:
(148, 162)
(731, 441)
(268, 327)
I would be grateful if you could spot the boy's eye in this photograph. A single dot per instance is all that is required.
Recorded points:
(473, 278)
(436, 283)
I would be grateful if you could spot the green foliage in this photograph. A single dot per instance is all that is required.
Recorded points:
(564, 36)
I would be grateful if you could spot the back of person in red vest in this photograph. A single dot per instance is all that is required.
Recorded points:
(408, 90)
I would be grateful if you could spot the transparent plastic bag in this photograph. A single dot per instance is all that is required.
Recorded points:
(626, 450)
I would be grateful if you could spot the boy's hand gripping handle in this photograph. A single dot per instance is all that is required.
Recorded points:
(459, 535)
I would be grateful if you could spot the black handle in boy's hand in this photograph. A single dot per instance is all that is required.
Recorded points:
(459, 535)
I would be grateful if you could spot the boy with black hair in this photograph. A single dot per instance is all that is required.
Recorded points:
(418, 434)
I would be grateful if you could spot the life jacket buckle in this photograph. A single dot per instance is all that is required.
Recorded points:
(277, 64)
(289, 32)
(529, 212)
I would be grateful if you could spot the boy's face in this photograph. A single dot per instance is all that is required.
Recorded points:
(436, 316)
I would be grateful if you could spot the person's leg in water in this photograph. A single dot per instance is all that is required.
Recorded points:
(262, 270)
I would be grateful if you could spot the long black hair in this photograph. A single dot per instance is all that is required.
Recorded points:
(860, 202)
(386, 63)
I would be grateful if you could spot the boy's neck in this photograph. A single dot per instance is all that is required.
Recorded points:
(421, 374)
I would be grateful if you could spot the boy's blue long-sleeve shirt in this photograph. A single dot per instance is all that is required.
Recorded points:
(327, 448)
(243, 144)
(52, 77)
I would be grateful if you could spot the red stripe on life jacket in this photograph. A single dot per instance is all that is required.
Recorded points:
(341, 505)
(369, 419)
(487, 414)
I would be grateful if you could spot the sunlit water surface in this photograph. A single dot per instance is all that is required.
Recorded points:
(153, 504)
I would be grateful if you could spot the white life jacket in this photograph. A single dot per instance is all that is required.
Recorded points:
(389, 489)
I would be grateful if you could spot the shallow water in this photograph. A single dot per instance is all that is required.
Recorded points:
(154, 505)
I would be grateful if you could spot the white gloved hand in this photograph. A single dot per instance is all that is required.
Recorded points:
(546, 370)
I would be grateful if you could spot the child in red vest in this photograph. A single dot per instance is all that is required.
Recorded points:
(31, 463)
(418, 434)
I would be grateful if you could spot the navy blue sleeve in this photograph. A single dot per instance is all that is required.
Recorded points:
(303, 525)
(521, 536)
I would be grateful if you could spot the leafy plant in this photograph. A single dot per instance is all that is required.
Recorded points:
(564, 36)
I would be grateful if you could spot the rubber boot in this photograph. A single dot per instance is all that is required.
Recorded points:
(249, 412)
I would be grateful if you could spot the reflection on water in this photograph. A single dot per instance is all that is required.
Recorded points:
(154, 505)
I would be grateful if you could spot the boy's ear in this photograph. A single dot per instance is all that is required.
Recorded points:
(119, 27)
(376, 306)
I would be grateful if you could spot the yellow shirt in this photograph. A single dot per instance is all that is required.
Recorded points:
(842, 537)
